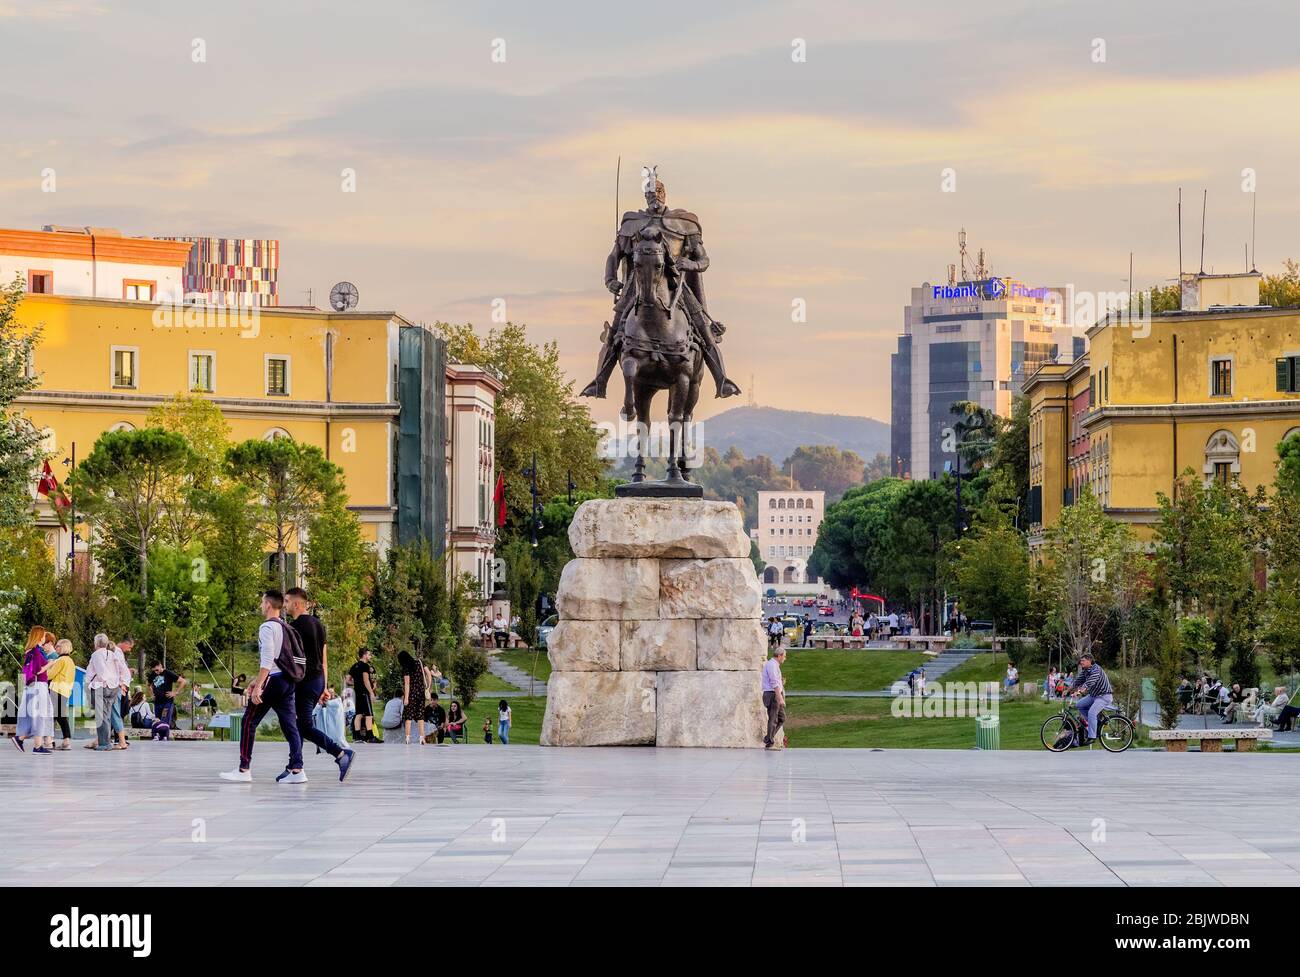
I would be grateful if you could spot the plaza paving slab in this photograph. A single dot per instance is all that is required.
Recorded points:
(423, 815)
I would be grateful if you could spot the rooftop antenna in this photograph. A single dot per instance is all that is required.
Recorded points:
(753, 400)
(981, 269)
(1205, 199)
(961, 251)
(618, 173)
(1180, 236)
(1252, 230)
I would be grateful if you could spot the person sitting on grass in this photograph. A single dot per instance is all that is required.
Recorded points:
(1012, 679)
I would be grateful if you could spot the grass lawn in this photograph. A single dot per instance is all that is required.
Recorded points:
(492, 683)
(848, 670)
(988, 667)
(525, 726)
(826, 722)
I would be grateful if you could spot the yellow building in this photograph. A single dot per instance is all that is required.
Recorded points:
(1212, 387)
(370, 389)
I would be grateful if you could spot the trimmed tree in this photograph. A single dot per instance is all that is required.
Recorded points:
(292, 482)
(123, 488)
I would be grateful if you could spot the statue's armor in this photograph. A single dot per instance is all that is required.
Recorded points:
(681, 235)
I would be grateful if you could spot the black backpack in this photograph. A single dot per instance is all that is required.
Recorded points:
(292, 660)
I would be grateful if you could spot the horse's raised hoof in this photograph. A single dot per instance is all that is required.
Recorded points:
(727, 389)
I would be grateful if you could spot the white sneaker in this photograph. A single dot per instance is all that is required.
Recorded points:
(238, 776)
(289, 777)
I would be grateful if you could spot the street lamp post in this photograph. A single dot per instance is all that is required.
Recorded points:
(535, 521)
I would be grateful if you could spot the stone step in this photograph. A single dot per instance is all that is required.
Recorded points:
(940, 665)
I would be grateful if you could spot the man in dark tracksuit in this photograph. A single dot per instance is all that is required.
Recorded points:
(1094, 686)
(309, 691)
(271, 689)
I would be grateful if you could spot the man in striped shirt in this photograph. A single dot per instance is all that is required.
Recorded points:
(1094, 687)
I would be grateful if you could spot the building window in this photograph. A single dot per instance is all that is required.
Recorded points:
(40, 282)
(277, 376)
(203, 371)
(1288, 374)
(1222, 457)
(138, 291)
(276, 434)
(1221, 378)
(126, 375)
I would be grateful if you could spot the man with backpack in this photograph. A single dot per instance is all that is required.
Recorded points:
(282, 666)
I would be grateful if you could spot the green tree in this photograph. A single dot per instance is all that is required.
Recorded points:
(850, 548)
(524, 579)
(233, 545)
(825, 467)
(989, 566)
(1165, 298)
(183, 605)
(20, 442)
(1282, 290)
(1086, 557)
(122, 487)
(1281, 612)
(1011, 453)
(467, 668)
(292, 482)
(338, 566)
(207, 434)
(920, 524)
(1210, 538)
(537, 415)
(1169, 672)
(877, 467)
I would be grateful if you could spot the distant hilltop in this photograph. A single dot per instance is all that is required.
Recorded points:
(776, 433)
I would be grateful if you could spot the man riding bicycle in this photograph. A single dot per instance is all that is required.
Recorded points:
(1092, 684)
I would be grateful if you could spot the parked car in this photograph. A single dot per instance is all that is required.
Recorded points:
(545, 628)
(793, 628)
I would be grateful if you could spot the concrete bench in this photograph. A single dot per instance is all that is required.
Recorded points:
(176, 734)
(930, 643)
(1211, 740)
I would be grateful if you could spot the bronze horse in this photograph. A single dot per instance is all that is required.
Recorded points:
(659, 353)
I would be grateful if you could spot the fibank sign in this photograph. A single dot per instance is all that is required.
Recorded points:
(990, 289)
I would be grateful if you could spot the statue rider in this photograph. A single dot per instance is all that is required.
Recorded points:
(686, 260)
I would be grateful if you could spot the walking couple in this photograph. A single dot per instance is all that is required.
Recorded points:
(293, 660)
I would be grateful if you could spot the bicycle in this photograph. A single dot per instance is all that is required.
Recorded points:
(1065, 729)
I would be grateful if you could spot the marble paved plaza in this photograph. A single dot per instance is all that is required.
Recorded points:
(157, 815)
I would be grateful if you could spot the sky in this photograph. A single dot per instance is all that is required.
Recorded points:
(811, 138)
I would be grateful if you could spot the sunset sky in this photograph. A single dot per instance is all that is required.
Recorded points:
(818, 180)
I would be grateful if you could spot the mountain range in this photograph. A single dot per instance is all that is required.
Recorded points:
(776, 433)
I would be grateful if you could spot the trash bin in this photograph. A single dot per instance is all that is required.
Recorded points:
(987, 734)
(236, 725)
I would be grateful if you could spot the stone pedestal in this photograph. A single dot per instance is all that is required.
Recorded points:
(660, 639)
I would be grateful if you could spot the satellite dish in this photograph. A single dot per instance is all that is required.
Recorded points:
(343, 297)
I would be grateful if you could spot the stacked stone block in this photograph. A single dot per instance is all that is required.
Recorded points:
(660, 639)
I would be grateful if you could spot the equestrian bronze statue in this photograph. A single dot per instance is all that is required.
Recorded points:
(662, 335)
